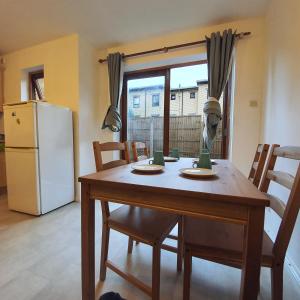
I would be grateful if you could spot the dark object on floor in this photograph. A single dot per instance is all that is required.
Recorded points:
(111, 296)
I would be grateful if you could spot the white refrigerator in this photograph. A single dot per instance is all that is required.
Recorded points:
(39, 156)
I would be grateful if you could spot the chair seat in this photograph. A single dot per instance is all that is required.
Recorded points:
(219, 241)
(145, 224)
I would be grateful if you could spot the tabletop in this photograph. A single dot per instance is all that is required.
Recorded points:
(229, 184)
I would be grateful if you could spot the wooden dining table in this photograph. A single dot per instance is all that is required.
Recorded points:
(228, 197)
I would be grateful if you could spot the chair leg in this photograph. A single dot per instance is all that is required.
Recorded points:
(180, 244)
(187, 274)
(156, 271)
(277, 282)
(104, 251)
(130, 245)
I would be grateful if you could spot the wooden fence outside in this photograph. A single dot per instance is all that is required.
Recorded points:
(185, 134)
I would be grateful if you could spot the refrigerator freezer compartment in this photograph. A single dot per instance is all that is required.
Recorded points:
(20, 125)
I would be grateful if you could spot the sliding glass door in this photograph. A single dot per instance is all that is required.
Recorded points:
(164, 109)
(144, 115)
(188, 94)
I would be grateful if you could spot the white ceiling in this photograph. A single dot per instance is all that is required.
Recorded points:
(109, 22)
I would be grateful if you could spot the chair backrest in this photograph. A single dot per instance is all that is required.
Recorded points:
(139, 148)
(110, 146)
(100, 166)
(289, 211)
(258, 163)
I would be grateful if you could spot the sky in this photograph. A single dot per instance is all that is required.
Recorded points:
(180, 77)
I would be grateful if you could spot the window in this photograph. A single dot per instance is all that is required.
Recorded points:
(136, 102)
(155, 100)
(36, 85)
(165, 124)
(192, 95)
(173, 96)
(149, 127)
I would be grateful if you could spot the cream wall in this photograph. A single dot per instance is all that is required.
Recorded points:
(249, 74)
(71, 80)
(60, 59)
(282, 107)
(89, 120)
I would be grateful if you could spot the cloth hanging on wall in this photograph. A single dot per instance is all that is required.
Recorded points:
(220, 58)
(112, 119)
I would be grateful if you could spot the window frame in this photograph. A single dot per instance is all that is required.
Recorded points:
(194, 93)
(136, 105)
(158, 100)
(165, 71)
(33, 85)
(146, 73)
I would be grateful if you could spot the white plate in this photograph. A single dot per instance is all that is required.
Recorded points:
(169, 158)
(147, 168)
(213, 161)
(198, 172)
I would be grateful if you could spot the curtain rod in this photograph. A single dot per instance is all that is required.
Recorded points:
(166, 49)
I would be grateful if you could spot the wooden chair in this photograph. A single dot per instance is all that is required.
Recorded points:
(138, 147)
(110, 146)
(223, 242)
(141, 224)
(258, 163)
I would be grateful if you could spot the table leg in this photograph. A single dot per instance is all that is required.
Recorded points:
(252, 254)
(87, 244)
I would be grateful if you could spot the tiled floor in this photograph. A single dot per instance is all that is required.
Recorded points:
(40, 260)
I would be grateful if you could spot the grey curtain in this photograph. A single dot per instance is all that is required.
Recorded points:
(112, 119)
(220, 57)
